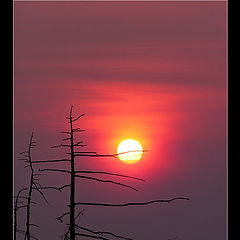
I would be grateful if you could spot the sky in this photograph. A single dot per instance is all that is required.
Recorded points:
(151, 71)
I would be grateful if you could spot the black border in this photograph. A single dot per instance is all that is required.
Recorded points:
(7, 116)
(233, 121)
(7, 119)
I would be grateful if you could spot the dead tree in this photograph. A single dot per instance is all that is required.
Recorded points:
(33, 185)
(15, 211)
(72, 145)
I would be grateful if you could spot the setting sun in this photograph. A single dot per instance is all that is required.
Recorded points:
(124, 151)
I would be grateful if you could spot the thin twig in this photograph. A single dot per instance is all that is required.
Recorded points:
(23, 206)
(61, 145)
(91, 236)
(57, 188)
(63, 215)
(102, 232)
(113, 174)
(51, 161)
(78, 130)
(105, 181)
(78, 117)
(65, 139)
(36, 188)
(66, 132)
(131, 204)
(106, 155)
(54, 170)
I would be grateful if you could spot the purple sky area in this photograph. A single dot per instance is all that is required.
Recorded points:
(152, 71)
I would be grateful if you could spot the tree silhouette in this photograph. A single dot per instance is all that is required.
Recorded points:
(15, 211)
(73, 145)
(33, 185)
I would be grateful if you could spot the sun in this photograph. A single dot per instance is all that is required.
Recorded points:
(124, 151)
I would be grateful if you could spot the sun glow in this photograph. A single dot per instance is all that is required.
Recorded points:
(126, 150)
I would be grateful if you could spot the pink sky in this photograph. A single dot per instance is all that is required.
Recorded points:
(153, 71)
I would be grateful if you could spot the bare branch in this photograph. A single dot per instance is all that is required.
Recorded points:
(94, 155)
(23, 206)
(66, 234)
(37, 183)
(106, 155)
(57, 188)
(36, 188)
(78, 130)
(131, 204)
(63, 215)
(78, 117)
(65, 139)
(91, 236)
(54, 170)
(19, 192)
(78, 143)
(97, 232)
(22, 159)
(113, 174)
(20, 197)
(106, 181)
(52, 161)
(34, 225)
(132, 151)
(80, 213)
(61, 145)
(66, 132)
(87, 152)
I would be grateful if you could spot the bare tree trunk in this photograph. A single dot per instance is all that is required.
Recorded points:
(72, 186)
(16, 207)
(15, 218)
(15, 224)
(27, 235)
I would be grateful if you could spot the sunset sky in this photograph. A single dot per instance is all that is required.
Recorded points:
(151, 71)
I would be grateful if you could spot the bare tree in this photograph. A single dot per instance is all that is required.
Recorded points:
(73, 145)
(33, 185)
(15, 211)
